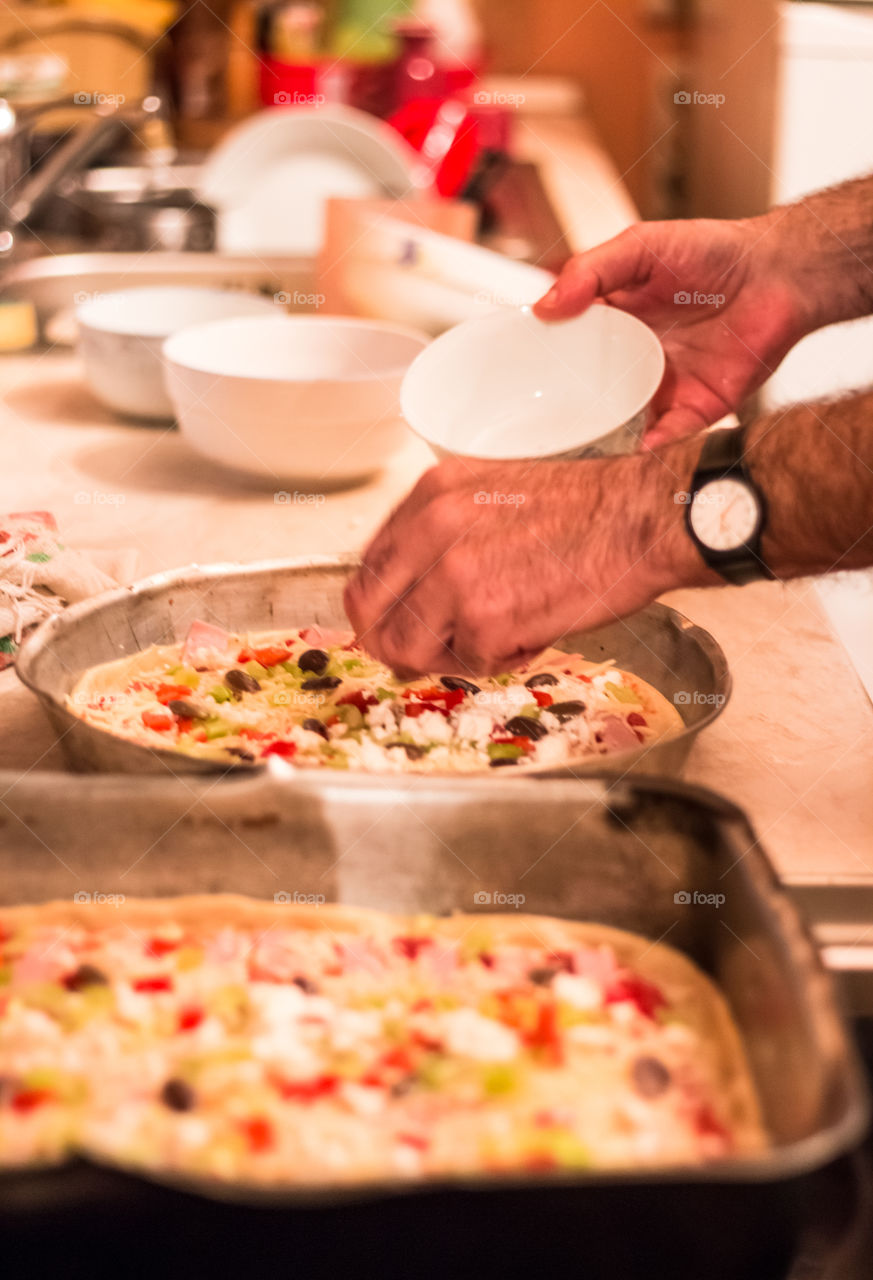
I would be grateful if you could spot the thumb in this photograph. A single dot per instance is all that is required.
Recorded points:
(616, 264)
(673, 425)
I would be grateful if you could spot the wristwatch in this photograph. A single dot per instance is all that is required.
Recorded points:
(726, 511)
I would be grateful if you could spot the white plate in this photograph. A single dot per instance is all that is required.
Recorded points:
(269, 178)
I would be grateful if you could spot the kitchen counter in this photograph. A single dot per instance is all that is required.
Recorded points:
(795, 745)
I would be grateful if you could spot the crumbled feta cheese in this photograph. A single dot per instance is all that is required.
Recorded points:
(580, 992)
(470, 1035)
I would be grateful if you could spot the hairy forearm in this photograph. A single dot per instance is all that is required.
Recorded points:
(824, 243)
(814, 465)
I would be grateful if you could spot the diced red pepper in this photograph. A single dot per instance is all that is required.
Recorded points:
(255, 735)
(357, 698)
(432, 699)
(27, 1100)
(540, 1161)
(169, 692)
(157, 947)
(410, 948)
(307, 1090)
(160, 982)
(645, 995)
(259, 1133)
(546, 1034)
(331, 720)
(420, 1006)
(285, 750)
(189, 1018)
(542, 698)
(245, 655)
(433, 1044)
(184, 724)
(160, 720)
(414, 1140)
(399, 1058)
(636, 718)
(706, 1124)
(486, 959)
(271, 656)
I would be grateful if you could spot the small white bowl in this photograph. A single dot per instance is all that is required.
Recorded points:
(121, 335)
(311, 399)
(507, 385)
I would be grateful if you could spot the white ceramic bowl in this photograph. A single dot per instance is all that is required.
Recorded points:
(507, 385)
(309, 399)
(121, 335)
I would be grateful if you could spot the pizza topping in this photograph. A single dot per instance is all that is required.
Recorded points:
(178, 1095)
(159, 720)
(321, 682)
(563, 711)
(526, 727)
(166, 693)
(323, 1046)
(338, 708)
(314, 660)
(259, 1133)
(187, 710)
(240, 681)
(541, 976)
(650, 1077)
(160, 982)
(457, 682)
(86, 975)
(540, 679)
(271, 656)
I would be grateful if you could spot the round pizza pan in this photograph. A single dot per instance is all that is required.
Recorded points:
(681, 660)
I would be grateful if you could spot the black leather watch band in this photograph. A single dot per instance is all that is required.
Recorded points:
(723, 454)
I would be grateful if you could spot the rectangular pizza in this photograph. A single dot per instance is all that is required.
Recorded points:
(283, 1045)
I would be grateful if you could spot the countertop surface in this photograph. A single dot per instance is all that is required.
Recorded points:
(794, 747)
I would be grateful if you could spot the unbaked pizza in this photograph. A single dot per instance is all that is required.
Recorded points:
(316, 697)
(247, 1043)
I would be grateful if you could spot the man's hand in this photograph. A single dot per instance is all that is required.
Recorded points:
(485, 564)
(716, 293)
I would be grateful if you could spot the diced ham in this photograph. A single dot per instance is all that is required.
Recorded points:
(326, 637)
(616, 735)
(209, 646)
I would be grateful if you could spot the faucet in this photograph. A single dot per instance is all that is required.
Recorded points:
(23, 193)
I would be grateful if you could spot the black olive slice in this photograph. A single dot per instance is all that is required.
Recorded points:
(178, 1095)
(566, 710)
(322, 682)
(314, 660)
(541, 678)
(526, 727)
(457, 682)
(240, 681)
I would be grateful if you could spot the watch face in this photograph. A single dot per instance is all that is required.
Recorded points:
(724, 514)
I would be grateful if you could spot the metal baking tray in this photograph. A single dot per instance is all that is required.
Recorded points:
(627, 852)
(680, 659)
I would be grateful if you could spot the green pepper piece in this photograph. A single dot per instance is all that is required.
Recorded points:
(621, 693)
(504, 751)
(220, 694)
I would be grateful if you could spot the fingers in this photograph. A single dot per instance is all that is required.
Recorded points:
(619, 263)
(413, 637)
(673, 425)
(411, 541)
